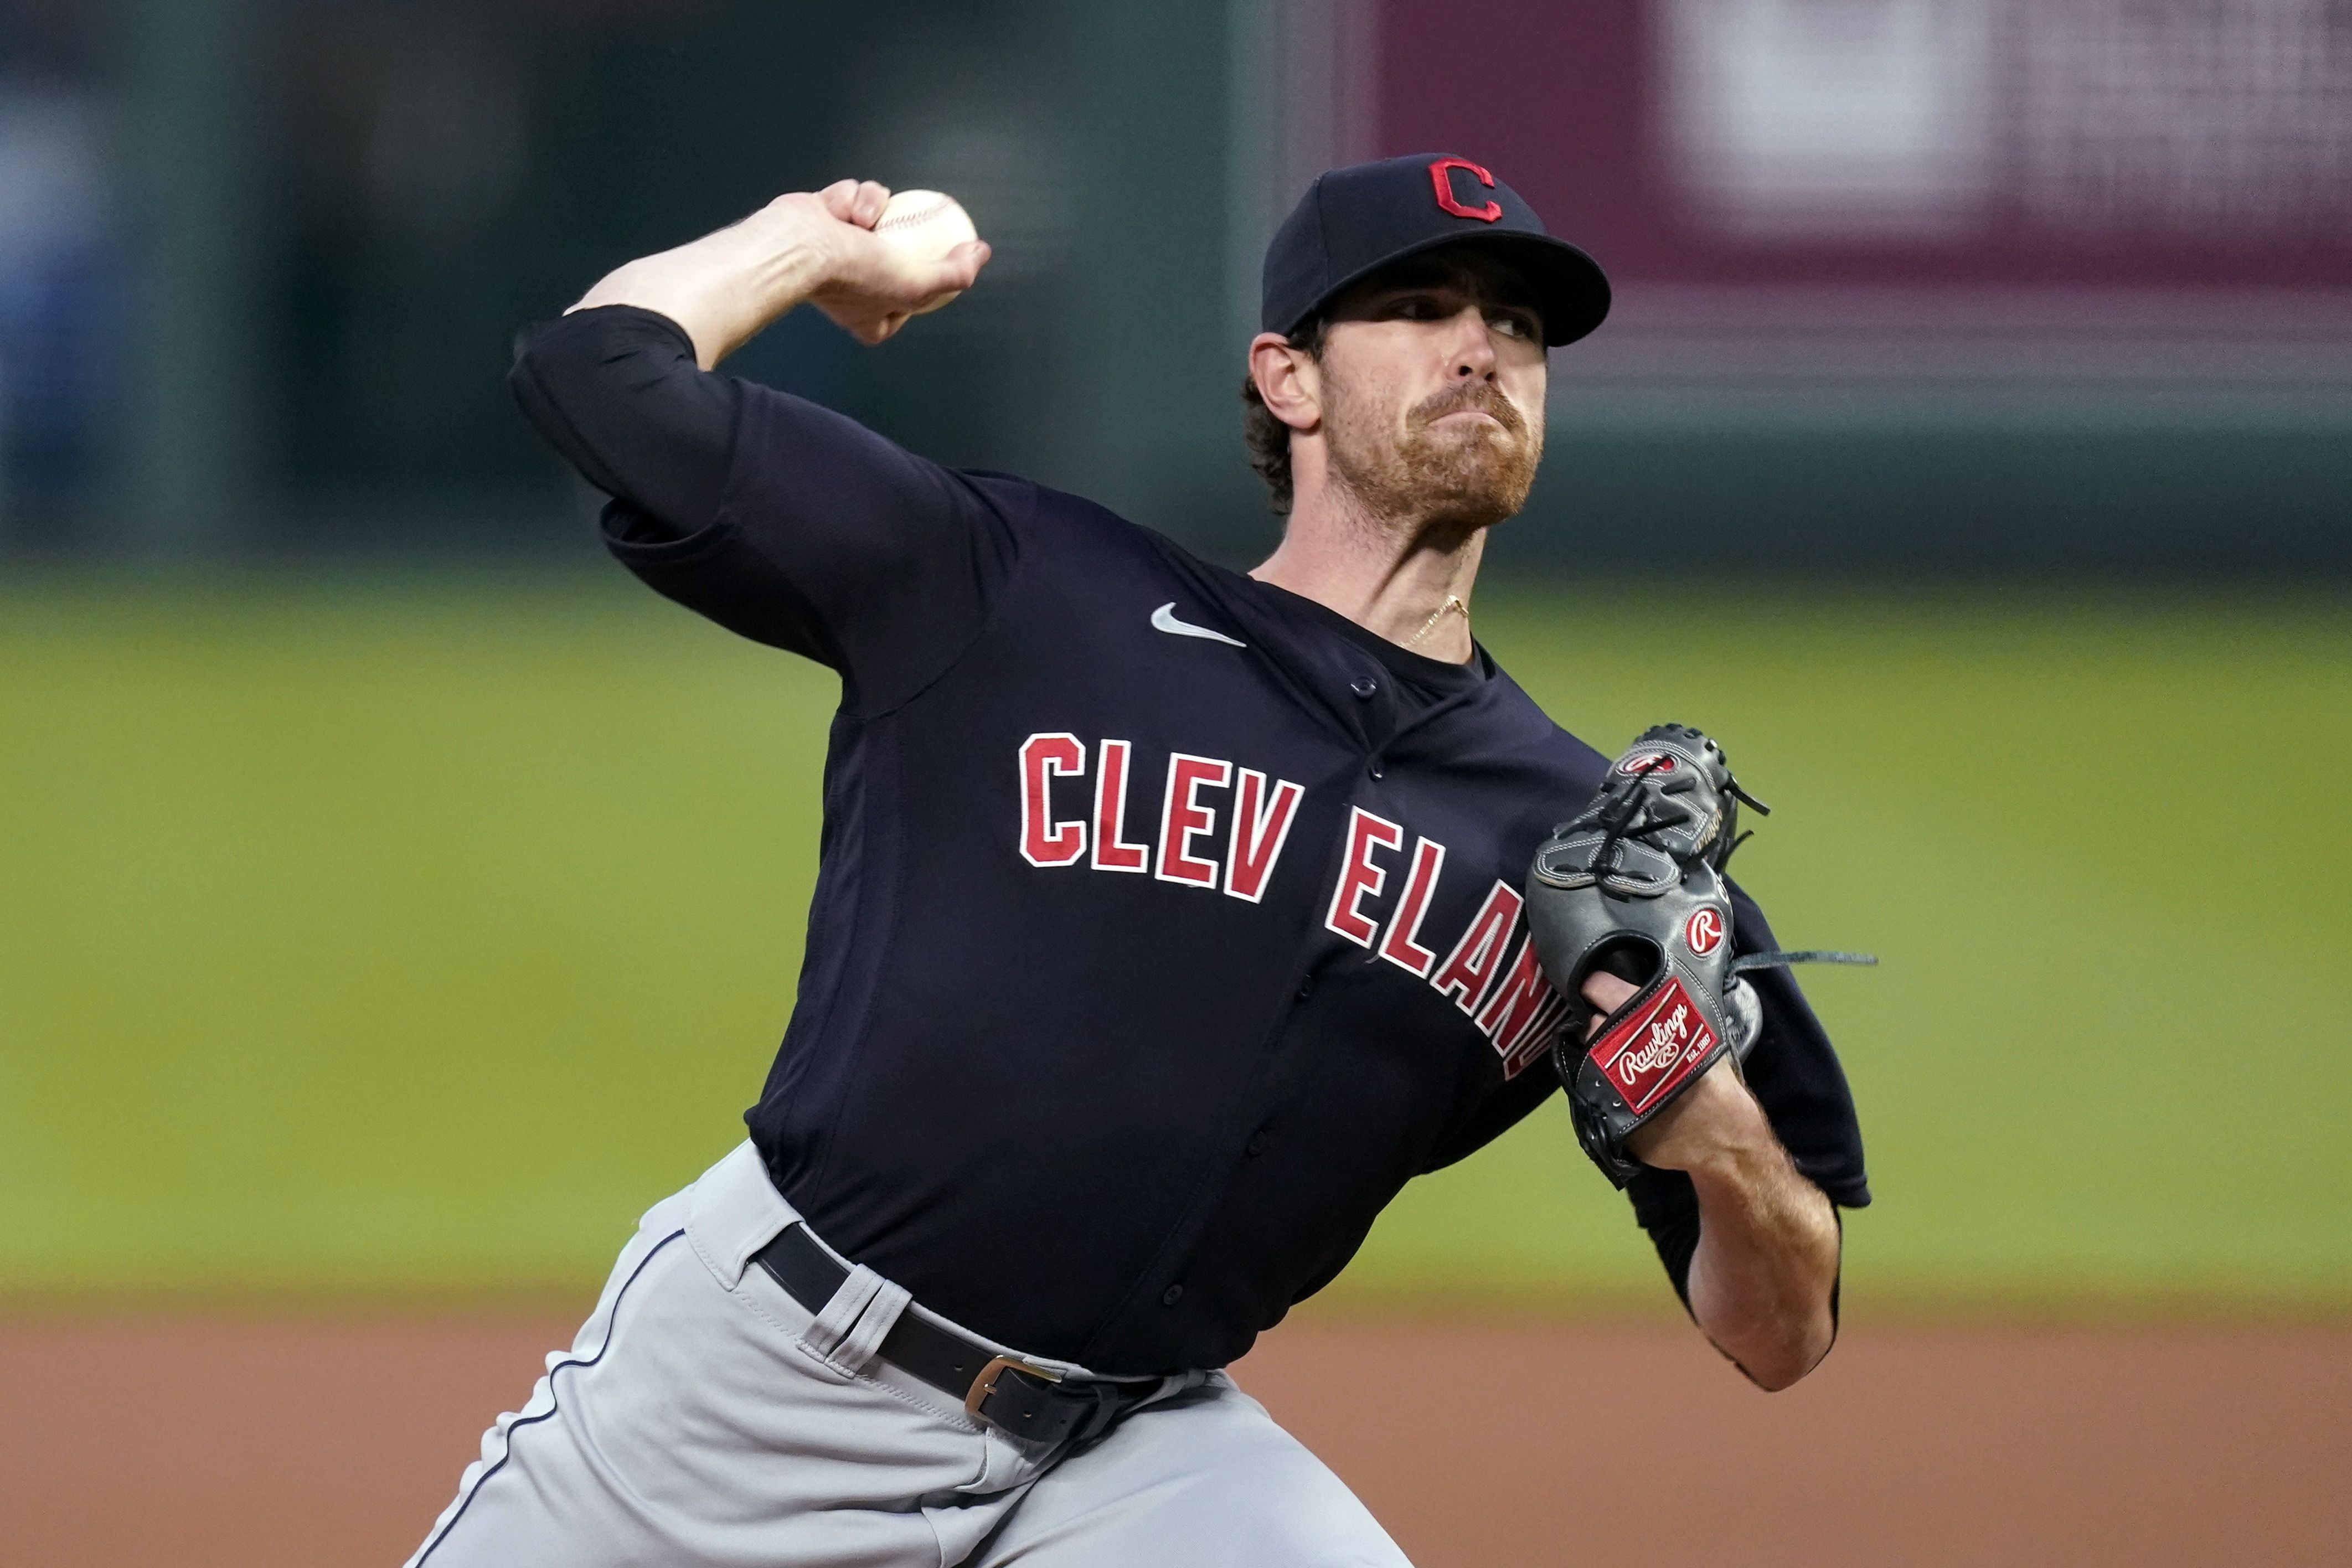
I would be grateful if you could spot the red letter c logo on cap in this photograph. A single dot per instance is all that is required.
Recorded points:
(1441, 176)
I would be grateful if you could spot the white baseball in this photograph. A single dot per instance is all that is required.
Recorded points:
(927, 225)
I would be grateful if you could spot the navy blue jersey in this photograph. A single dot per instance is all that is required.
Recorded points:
(1164, 928)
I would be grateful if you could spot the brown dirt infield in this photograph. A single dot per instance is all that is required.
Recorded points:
(199, 1442)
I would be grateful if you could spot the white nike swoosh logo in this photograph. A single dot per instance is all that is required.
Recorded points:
(1163, 619)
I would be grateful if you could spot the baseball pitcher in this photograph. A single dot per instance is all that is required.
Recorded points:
(1168, 920)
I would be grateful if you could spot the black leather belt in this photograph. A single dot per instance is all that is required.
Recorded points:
(1027, 1401)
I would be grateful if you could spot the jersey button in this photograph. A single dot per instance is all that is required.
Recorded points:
(1173, 1294)
(1307, 988)
(1256, 1144)
(1364, 687)
(1374, 769)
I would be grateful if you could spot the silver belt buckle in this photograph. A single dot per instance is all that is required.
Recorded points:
(985, 1384)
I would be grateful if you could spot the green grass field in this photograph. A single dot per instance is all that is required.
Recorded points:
(395, 937)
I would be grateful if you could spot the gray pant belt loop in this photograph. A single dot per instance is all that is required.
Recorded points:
(1019, 1398)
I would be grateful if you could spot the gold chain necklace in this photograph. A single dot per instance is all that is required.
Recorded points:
(1451, 603)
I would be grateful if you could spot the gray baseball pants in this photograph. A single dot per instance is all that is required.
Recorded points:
(705, 1419)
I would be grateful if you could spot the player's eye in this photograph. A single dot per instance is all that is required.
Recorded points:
(1517, 323)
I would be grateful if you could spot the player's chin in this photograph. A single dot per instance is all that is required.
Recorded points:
(1481, 488)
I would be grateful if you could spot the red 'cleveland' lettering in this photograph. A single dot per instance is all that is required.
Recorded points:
(1260, 827)
(1471, 966)
(1182, 816)
(1112, 851)
(1043, 758)
(1511, 1004)
(1359, 877)
(1518, 1001)
(1264, 811)
(1399, 946)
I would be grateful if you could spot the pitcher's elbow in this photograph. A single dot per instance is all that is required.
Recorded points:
(1784, 1361)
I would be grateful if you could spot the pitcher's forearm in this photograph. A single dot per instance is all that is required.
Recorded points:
(726, 288)
(1766, 1264)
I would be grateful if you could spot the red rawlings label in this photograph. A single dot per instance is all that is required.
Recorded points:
(1638, 763)
(1646, 1055)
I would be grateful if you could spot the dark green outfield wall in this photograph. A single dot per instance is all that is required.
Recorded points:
(2133, 502)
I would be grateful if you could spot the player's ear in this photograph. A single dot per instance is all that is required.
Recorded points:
(1288, 379)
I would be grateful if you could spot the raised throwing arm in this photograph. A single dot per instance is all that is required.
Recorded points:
(771, 515)
(813, 246)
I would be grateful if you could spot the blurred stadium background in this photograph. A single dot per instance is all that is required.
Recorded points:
(394, 899)
(397, 899)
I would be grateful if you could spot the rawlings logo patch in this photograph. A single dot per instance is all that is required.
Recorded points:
(1703, 933)
(1639, 762)
(1656, 1049)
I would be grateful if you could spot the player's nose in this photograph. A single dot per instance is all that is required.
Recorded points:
(1473, 349)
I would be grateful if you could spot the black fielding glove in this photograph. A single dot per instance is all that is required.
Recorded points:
(1633, 885)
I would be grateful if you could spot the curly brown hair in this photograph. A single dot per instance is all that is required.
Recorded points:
(1267, 437)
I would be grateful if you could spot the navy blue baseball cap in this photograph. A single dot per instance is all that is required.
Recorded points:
(1353, 221)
